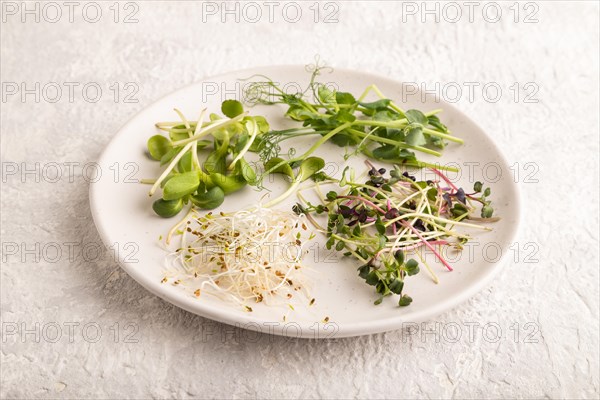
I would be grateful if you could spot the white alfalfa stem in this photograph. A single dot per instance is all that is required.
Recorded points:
(170, 168)
(252, 126)
(209, 129)
(177, 225)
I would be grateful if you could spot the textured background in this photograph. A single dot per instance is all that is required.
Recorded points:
(532, 333)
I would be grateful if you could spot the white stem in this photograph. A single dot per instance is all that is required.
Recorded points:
(195, 148)
(169, 168)
(433, 217)
(209, 129)
(195, 160)
(288, 192)
(177, 225)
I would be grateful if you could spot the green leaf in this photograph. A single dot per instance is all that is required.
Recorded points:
(487, 192)
(432, 194)
(344, 139)
(181, 185)
(299, 113)
(222, 135)
(344, 98)
(396, 286)
(247, 172)
(378, 105)
(241, 142)
(310, 166)
(412, 267)
(414, 135)
(393, 134)
(399, 257)
(205, 180)
(259, 144)
(167, 209)
(382, 288)
(436, 141)
(284, 169)
(200, 144)
(380, 226)
(386, 152)
(232, 108)
(322, 176)
(261, 122)
(344, 116)
(435, 122)
(459, 209)
(158, 146)
(339, 222)
(325, 95)
(229, 184)
(405, 301)
(210, 199)
(185, 164)
(169, 155)
(217, 159)
(372, 278)
(178, 135)
(478, 187)
(416, 116)
(363, 271)
(344, 179)
(169, 176)
(385, 116)
(487, 211)
(215, 163)
(329, 243)
(382, 241)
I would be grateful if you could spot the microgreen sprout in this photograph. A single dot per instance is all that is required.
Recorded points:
(381, 221)
(308, 167)
(185, 179)
(246, 256)
(379, 129)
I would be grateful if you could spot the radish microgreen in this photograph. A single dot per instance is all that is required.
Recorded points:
(381, 220)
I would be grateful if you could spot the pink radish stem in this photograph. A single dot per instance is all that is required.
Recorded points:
(416, 232)
(438, 173)
(364, 201)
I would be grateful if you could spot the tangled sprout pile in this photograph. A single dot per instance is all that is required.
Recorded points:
(249, 255)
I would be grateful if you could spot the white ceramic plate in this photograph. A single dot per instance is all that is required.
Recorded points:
(123, 215)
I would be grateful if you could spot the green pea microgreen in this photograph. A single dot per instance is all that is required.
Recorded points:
(378, 129)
